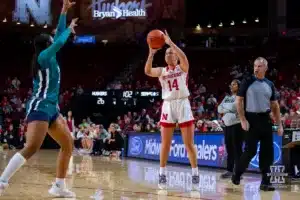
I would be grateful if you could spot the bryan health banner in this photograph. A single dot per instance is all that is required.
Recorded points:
(211, 149)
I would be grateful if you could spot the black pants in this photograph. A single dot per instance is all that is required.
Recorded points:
(98, 146)
(77, 143)
(295, 161)
(113, 146)
(234, 137)
(260, 131)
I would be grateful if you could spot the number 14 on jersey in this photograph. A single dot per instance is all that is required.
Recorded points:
(173, 84)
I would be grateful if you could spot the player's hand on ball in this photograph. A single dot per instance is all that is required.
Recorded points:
(280, 130)
(73, 25)
(245, 125)
(152, 51)
(68, 4)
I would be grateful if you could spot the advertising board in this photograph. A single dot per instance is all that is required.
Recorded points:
(211, 149)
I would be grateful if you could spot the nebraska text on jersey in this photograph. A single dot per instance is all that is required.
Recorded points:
(172, 76)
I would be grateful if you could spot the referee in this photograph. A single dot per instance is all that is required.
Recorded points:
(255, 100)
(233, 131)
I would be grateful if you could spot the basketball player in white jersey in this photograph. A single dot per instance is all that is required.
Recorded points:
(176, 107)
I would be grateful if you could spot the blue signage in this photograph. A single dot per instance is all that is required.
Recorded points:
(118, 9)
(211, 149)
(277, 154)
(85, 39)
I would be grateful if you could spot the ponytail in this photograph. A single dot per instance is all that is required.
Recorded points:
(41, 42)
(35, 66)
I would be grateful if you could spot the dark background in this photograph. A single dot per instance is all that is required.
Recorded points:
(214, 11)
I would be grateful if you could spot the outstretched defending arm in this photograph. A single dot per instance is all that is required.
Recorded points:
(56, 46)
(59, 43)
(62, 22)
(61, 26)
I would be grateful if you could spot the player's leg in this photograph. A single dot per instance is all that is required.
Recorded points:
(167, 128)
(166, 139)
(228, 134)
(186, 124)
(59, 131)
(36, 132)
(187, 131)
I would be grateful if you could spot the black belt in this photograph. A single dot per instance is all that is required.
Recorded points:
(259, 113)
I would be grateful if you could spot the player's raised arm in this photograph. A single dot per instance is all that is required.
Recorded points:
(59, 43)
(62, 23)
(184, 63)
(149, 71)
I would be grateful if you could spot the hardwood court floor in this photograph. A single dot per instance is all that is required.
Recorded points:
(102, 178)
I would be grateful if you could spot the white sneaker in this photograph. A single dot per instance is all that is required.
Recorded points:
(98, 195)
(162, 182)
(195, 182)
(3, 186)
(57, 191)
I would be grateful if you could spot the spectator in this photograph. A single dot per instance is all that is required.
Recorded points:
(215, 126)
(137, 128)
(211, 103)
(136, 118)
(121, 122)
(115, 143)
(202, 89)
(283, 107)
(149, 128)
(71, 123)
(80, 90)
(127, 126)
(22, 137)
(102, 136)
(16, 83)
(199, 125)
(144, 117)
(88, 120)
(200, 108)
(84, 123)
(86, 140)
(9, 137)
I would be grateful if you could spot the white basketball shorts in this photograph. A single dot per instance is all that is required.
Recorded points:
(176, 111)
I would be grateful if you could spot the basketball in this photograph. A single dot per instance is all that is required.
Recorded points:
(155, 39)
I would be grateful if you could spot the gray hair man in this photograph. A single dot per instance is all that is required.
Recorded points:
(255, 100)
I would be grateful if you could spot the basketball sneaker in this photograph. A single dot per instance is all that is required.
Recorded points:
(226, 175)
(3, 186)
(162, 182)
(58, 191)
(195, 182)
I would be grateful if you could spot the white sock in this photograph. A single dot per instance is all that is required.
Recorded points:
(162, 171)
(61, 182)
(13, 166)
(195, 171)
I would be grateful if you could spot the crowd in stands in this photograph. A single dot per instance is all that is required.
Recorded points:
(208, 85)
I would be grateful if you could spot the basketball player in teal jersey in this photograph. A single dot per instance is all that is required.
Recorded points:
(42, 113)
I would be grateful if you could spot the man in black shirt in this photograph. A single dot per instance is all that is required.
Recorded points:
(255, 100)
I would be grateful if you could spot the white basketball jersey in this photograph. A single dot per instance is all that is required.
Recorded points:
(174, 83)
